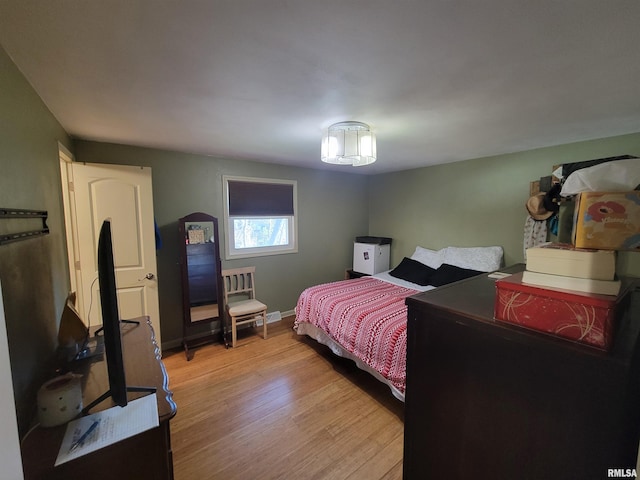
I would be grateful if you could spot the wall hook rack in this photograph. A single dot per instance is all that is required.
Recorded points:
(15, 213)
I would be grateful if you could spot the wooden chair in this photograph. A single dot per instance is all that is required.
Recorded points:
(240, 300)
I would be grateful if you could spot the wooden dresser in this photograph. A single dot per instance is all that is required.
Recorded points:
(144, 456)
(490, 400)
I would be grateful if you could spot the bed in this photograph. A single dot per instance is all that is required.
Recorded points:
(365, 319)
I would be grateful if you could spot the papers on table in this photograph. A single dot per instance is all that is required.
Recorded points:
(115, 424)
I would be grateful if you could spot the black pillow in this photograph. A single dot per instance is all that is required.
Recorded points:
(413, 271)
(450, 273)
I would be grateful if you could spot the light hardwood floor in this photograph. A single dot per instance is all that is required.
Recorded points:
(281, 408)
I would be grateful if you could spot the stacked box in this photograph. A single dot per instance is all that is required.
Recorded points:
(607, 220)
(583, 317)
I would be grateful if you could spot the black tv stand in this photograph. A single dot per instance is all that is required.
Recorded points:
(134, 322)
(107, 394)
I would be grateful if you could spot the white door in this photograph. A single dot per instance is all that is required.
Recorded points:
(123, 194)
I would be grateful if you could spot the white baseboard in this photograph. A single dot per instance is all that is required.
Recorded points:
(277, 316)
(274, 316)
(271, 317)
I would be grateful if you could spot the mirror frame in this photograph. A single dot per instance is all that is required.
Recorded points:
(189, 344)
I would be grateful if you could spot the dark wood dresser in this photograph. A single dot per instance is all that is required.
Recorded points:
(144, 456)
(490, 400)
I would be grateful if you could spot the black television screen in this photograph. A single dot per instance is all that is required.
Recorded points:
(110, 321)
(111, 324)
(111, 317)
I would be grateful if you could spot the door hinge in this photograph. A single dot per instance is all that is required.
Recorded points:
(71, 189)
(77, 264)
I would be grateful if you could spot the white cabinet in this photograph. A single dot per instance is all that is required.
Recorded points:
(370, 258)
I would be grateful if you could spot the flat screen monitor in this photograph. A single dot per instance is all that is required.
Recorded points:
(111, 317)
(111, 324)
(110, 321)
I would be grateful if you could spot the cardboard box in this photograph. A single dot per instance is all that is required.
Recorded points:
(607, 220)
(583, 317)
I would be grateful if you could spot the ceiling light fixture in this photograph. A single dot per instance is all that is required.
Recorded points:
(349, 143)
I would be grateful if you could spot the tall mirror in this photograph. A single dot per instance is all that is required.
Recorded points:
(202, 297)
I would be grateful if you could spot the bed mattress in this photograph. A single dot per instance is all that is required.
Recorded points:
(363, 319)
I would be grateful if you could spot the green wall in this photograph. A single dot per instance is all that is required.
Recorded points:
(332, 210)
(469, 203)
(34, 272)
(477, 202)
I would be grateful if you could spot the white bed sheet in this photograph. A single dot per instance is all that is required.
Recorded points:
(384, 276)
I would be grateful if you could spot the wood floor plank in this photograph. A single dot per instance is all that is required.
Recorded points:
(281, 408)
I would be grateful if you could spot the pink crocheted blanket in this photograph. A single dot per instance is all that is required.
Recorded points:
(367, 317)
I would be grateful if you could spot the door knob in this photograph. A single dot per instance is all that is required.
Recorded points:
(148, 276)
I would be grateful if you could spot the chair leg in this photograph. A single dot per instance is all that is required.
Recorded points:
(264, 324)
(234, 333)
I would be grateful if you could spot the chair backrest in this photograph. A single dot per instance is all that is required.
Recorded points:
(239, 282)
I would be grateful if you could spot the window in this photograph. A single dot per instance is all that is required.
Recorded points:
(260, 216)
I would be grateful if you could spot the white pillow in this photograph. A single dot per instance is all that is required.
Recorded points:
(483, 259)
(430, 258)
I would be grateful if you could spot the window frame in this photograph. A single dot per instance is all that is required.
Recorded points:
(232, 253)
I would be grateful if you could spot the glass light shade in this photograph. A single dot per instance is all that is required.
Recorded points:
(348, 143)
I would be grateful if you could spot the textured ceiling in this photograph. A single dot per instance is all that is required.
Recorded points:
(439, 81)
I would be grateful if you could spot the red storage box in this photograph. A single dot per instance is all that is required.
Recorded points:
(584, 317)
